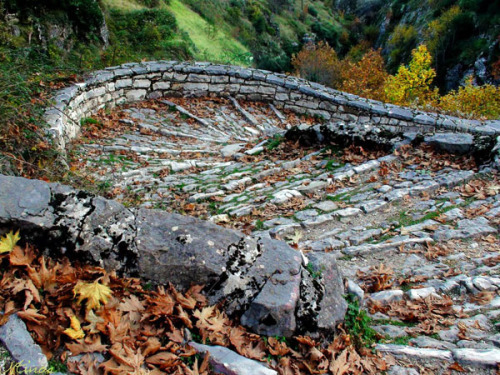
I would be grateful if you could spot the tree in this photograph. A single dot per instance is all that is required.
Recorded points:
(412, 84)
(367, 77)
(318, 63)
(473, 101)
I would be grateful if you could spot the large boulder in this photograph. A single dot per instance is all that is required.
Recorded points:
(261, 280)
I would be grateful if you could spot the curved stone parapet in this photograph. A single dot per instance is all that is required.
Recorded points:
(150, 80)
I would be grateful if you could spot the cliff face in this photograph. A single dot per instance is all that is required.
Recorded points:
(54, 28)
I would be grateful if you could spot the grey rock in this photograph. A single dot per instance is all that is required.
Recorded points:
(355, 289)
(466, 229)
(306, 214)
(453, 214)
(318, 220)
(17, 340)
(332, 305)
(326, 206)
(399, 370)
(28, 200)
(159, 246)
(373, 205)
(390, 330)
(363, 236)
(230, 150)
(402, 350)
(459, 143)
(326, 244)
(347, 212)
(429, 342)
(225, 361)
(415, 294)
(477, 357)
(387, 296)
(283, 196)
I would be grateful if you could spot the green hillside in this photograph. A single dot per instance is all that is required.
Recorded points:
(211, 43)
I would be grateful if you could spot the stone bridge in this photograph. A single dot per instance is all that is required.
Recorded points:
(222, 143)
(135, 82)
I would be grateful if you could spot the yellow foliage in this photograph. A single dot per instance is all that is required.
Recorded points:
(9, 241)
(367, 77)
(75, 331)
(437, 29)
(473, 101)
(318, 63)
(94, 293)
(412, 84)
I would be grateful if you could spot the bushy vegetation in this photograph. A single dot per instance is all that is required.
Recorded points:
(85, 15)
(473, 101)
(318, 63)
(34, 61)
(146, 32)
(412, 85)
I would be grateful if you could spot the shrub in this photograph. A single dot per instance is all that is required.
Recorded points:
(412, 84)
(327, 32)
(269, 55)
(312, 11)
(473, 101)
(145, 28)
(318, 63)
(85, 15)
(403, 39)
(367, 77)
(440, 30)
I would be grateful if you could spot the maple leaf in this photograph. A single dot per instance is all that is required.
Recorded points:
(94, 320)
(94, 293)
(75, 331)
(493, 189)
(89, 345)
(22, 257)
(125, 361)
(29, 289)
(9, 241)
(164, 360)
(151, 346)
(32, 315)
(43, 278)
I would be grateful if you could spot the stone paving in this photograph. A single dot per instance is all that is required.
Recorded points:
(433, 219)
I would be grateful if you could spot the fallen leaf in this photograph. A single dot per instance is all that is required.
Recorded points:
(8, 242)
(75, 331)
(94, 293)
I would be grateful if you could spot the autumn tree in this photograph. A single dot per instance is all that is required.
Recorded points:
(366, 77)
(473, 101)
(412, 84)
(318, 63)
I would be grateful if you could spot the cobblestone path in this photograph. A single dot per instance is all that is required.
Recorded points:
(415, 231)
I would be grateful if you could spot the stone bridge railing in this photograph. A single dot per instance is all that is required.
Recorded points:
(139, 81)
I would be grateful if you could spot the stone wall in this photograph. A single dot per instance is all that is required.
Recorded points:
(135, 82)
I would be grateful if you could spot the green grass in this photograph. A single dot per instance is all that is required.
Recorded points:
(315, 273)
(275, 142)
(357, 323)
(392, 323)
(259, 224)
(123, 4)
(400, 340)
(212, 42)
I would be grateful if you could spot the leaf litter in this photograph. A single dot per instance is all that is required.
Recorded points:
(73, 309)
